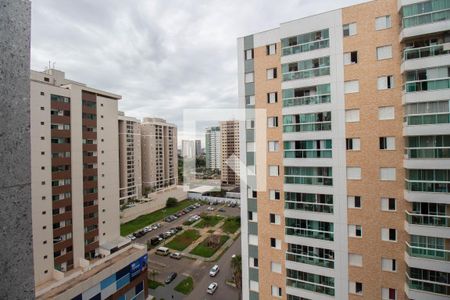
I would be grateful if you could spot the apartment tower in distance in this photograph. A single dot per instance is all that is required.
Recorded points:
(230, 173)
(129, 158)
(356, 156)
(213, 148)
(77, 248)
(159, 154)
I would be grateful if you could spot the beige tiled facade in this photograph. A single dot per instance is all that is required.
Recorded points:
(363, 154)
(229, 135)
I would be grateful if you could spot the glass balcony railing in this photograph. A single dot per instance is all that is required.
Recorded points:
(310, 46)
(427, 51)
(307, 153)
(428, 286)
(427, 186)
(305, 206)
(426, 18)
(428, 253)
(317, 126)
(436, 152)
(303, 74)
(307, 100)
(427, 85)
(317, 288)
(427, 220)
(310, 260)
(426, 119)
(310, 233)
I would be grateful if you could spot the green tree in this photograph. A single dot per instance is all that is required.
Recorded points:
(171, 202)
(236, 269)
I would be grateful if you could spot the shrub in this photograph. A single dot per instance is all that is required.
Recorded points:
(171, 202)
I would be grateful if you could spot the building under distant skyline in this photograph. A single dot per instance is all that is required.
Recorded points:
(351, 194)
(191, 148)
(213, 148)
(159, 154)
(229, 134)
(75, 198)
(130, 158)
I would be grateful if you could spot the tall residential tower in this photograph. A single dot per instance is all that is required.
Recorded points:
(229, 136)
(213, 148)
(348, 175)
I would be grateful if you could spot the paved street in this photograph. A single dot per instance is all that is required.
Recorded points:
(198, 270)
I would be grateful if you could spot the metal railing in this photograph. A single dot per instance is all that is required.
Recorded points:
(427, 220)
(426, 51)
(429, 253)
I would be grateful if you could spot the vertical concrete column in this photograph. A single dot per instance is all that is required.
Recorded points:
(16, 253)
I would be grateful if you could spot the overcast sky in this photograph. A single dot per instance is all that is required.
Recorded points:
(162, 56)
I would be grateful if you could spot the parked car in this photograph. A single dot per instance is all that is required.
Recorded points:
(221, 209)
(155, 240)
(175, 255)
(173, 231)
(147, 229)
(178, 214)
(179, 228)
(131, 237)
(154, 227)
(212, 288)
(161, 235)
(167, 234)
(197, 204)
(164, 251)
(214, 270)
(210, 208)
(171, 277)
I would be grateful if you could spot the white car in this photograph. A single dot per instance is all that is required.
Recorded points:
(131, 237)
(147, 229)
(212, 288)
(214, 270)
(210, 208)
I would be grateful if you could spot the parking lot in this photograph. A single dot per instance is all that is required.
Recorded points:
(162, 266)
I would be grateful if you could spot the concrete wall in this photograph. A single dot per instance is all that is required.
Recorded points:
(16, 259)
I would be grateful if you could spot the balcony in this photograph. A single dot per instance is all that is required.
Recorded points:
(427, 85)
(307, 100)
(310, 260)
(428, 253)
(310, 233)
(425, 57)
(427, 225)
(304, 74)
(425, 289)
(419, 24)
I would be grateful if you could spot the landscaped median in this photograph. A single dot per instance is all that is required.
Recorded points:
(153, 284)
(208, 221)
(183, 240)
(153, 217)
(210, 245)
(231, 225)
(186, 286)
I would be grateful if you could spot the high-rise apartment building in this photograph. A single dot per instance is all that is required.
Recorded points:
(213, 148)
(129, 158)
(77, 248)
(159, 154)
(348, 181)
(191, 148)
(230, 171)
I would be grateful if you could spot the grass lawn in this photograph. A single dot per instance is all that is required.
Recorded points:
(208, 221)
(204, 250)
(152, 284)
(181, 241)
(186, 286)
(153, 217)
(231, 225)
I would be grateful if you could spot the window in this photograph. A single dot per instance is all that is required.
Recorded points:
(274, 170)
(276, 291)
(271, 49)
(275, 267)
(384, 52)
(355, 260)
(272, 122)
(250, 100)
(389, 234)
(388, 204)
(352, 115)
(351, 58)
(353, 144)
(383, 22)
(272, 73)
(274, 146)
(272, 97)
(387, 143)
(354, 201)
(249, 77)
(253, 262)
(354, 230)
(386, 113)
(254, 286)
(385, 82)
(388, 264)
(253, 216)
(250, 124)
(349, 29)
(253, 239)
(351, 86)
(275, 219)
(353, 173)
(274, 195)
(355, 287)
(251, 147)
(387, 174)
(248, 54)
(275, 243)
(388, 294)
